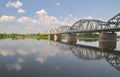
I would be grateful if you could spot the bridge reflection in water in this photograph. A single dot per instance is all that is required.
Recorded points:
(91, 53)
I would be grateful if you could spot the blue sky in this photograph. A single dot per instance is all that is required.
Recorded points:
(34, 16)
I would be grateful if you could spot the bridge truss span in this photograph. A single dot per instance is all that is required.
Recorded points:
(87, 25)
(90, 25)
(114, 22)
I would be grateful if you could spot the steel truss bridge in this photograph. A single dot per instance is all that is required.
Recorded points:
(89, 25)
(89, 52)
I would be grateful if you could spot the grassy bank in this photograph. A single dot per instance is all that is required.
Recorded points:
(23, 36)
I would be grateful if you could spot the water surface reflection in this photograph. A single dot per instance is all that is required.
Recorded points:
(91, 53)
(33, 58)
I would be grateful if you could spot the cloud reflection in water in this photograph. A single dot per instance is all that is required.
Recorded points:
(17, 65)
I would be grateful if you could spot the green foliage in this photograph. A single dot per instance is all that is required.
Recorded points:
(64, 36)
(118, 36)
(88, 35)
(37, 36)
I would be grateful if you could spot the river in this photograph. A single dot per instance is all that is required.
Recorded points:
(43, 58)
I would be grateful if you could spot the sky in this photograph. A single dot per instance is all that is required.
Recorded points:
(36, 16)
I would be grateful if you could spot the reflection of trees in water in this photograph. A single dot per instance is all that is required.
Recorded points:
(92, 53)
(89, 39)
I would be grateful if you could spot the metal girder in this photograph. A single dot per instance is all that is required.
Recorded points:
(60, 30)
(90, 25)
(63, 29)
(114, 22)
(53, 31)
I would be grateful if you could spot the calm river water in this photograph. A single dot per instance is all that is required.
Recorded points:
(42, 58)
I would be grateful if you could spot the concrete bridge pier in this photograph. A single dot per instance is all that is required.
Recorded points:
(50, 37)
(57, 37)
(107, 40)
(72, 38)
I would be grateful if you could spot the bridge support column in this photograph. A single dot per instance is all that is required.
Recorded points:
(57, 37)
(50, 37)
(72, 38)
(107, 40)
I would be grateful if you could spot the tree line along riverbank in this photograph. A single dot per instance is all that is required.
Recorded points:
(45, 36)
(23, 36)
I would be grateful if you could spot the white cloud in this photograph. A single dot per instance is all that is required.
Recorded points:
(70, 15)
(70, 20)
(14, 4)
(44, 20)
(58, 4)
(60, 17)
(29, 27)
(6, 18)
(101, 19)
(41, 12)
(27, 20)
(89, 17)
(48, 20)
(13, 27)
(52, 21)
(21, 10)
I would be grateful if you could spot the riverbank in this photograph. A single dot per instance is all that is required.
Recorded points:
(23, 36)
(82, 36)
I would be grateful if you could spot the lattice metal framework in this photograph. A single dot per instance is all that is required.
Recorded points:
(63, 29)
(90, 25)
(87, 25)
(52, 31)
(114, 22)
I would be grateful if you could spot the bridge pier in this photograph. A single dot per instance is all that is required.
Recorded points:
(50, 37)
(107, 40)
(72, 38)
(57, 37)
